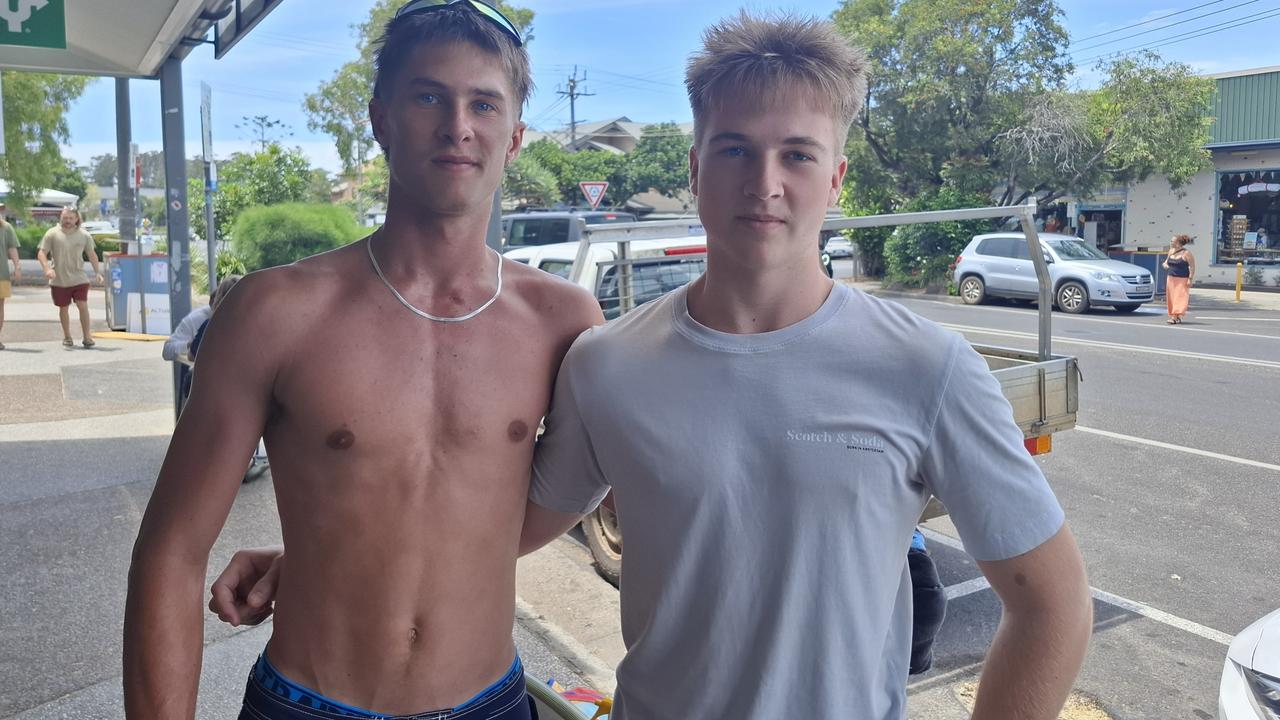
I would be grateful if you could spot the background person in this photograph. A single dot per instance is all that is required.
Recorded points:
(8, 253)
(1181, 265)
(67, 246)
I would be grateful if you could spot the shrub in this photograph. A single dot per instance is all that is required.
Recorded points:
(272, 235)
(1253, 275)
(921, 255)
(228, 264)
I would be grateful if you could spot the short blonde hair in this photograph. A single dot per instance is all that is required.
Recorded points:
(766, 56)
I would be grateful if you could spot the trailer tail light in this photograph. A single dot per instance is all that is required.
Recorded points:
(958, 259)
(696, 250)
(1039, 445)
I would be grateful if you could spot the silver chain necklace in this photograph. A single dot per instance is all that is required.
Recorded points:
(436, 318)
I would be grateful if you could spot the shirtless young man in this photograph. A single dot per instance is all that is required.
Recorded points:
(399, 403)
(771, 439)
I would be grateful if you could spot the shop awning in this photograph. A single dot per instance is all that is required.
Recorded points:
(117, 38)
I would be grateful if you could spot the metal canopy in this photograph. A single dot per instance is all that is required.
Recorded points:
(123, 38)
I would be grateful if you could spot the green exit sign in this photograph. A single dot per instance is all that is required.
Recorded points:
(34, 23)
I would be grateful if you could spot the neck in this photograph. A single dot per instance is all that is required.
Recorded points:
(734, 297)
(420, 243)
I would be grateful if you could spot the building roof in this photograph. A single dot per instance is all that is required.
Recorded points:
(1246, 109)
(593, 134)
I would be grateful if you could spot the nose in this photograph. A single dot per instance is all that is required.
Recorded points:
(764, 179)
(455, 126)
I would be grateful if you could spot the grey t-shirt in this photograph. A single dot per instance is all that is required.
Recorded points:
(767, 486)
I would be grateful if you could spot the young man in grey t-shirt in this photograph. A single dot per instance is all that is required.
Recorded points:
(772, 437)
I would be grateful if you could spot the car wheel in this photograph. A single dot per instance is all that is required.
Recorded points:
(605, 541)
(972, 290)
(1073, 297)
(1126, 308)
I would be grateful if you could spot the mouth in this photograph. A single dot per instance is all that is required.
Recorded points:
(762, 220)
(455, 162)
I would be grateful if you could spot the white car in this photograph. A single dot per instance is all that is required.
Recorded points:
(839, 247)
(99, 227)
(1251, 675)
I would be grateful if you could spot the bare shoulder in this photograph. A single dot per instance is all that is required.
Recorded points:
(288, 298)
(566, 308)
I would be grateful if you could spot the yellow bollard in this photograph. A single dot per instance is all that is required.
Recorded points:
(1239, 279)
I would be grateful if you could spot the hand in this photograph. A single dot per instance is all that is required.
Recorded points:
(244, 593)
(17, 274)
(97, 278)
(48, 272)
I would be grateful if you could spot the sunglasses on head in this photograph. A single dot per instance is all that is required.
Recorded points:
(488, 11)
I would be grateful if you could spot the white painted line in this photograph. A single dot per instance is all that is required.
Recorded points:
(1250, 319)
(968, 587)
(1179, 448)
(149, 423)
(1129, 323)
(1123, 603)
(592, 668)
(1161, 616)
(1116, 346)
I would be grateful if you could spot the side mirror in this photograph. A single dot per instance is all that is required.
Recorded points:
(1048, 259)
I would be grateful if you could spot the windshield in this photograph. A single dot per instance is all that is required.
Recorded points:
(1076, 250)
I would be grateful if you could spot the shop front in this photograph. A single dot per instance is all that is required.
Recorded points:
(1247, 225)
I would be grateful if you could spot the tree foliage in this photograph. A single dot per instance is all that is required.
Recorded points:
(270, 177)
(659, 162)
(527, 182)
(35, 126)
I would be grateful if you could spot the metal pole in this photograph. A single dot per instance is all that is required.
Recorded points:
(493, 238)
(1239, 279)
(124, 169)
(209, 230)
(175, 178)
(1027, 216)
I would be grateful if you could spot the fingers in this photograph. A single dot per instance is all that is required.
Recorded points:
(223, 603)
(264, 591)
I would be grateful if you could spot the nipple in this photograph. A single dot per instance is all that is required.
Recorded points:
(341, 439)
(517, 430)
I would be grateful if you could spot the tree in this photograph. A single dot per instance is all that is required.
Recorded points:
(68, 178)
(35, 111)
(263, 129)
(339, 107)
(526, 181)
(270, 177)
(946, 78)
(1148, 117)
(103, 169)
(660, 162)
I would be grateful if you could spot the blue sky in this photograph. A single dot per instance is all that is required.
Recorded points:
(632, 52)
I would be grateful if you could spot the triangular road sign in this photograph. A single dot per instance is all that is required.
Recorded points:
(594, 191)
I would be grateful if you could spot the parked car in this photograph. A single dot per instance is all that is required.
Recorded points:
(1250, 688)
(839, 247)
(657, 267)
(999, 265)
(99, 227)
(547, 227)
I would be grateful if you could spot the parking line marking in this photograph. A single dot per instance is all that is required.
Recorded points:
(1133, 606)
(1115, 346)
(968, 587)
(1250, 319)
(1179, 448)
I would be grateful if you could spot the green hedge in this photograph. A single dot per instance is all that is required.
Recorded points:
(272, 235)
(922, 255)
(29, 238)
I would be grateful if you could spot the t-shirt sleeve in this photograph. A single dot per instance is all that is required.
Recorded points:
(566, 476)
(978, 467)
(10, 241)
(45, 241)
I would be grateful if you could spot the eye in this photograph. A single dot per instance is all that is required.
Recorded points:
(734, 151)
(428, 98)
(798, 156)
(485, 107)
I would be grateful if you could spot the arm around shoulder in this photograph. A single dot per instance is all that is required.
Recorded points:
(198, 482)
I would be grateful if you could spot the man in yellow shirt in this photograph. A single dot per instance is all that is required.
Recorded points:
(67, 245)
(8, 252)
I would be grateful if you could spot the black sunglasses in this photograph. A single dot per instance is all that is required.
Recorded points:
(488, 11)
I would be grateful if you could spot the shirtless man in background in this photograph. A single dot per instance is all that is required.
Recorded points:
(398, 383)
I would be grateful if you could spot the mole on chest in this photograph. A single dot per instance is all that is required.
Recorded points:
(341, 439)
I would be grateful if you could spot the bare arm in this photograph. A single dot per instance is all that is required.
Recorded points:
(92, 253)
(163, 635)
(1043, 634)
(17, 264)
(1191, 267)
(542, 525)
(44, 263)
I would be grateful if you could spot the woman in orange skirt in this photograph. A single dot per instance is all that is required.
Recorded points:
(1181, 265)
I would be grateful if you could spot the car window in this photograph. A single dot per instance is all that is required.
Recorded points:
(1018, 248)
(1076, 250)
(538, 231)
(649, 281)
(999, 247)
(556, 267)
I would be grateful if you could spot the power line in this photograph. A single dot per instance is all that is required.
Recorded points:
(1192, 34)
(1164, 27)
(573, 94)
(1145, 22)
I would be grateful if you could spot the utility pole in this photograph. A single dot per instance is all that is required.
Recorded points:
(573, 94)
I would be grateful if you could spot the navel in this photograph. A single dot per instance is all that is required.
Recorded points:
(341, 439)
(517, 431)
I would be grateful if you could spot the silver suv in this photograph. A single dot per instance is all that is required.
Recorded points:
(999, 265)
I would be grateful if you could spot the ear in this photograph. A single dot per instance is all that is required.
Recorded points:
(517, 141)
(377, 121)
(837, 181)
(693, 170)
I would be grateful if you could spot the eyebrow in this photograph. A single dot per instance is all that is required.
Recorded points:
(480, 91)
(803, 140)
